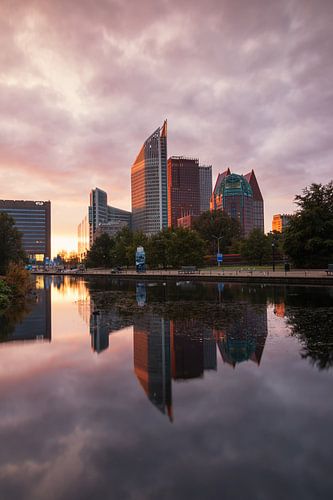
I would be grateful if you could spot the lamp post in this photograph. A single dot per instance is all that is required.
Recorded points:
(273, 255)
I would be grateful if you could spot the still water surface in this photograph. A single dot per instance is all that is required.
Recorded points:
(127, 390)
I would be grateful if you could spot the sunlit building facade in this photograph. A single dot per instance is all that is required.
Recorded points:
(149, 184)
(33, 220)
(83, 235)
(280, 222)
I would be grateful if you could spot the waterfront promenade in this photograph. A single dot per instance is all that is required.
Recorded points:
(301, 277)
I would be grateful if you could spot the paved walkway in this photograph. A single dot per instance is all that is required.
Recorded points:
(309, 276)
(298, 273)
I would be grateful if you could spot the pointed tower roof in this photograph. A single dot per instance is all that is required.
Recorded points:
(164, 131)
(220, 178)
(141, 155)
(252, 180)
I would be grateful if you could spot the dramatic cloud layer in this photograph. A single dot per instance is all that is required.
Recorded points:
(245, 84)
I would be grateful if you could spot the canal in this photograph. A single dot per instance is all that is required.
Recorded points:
(139, 390)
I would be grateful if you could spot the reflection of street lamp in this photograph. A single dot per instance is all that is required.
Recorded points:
(218, 238)
(273, 254)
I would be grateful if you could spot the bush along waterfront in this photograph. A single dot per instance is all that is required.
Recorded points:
(15, 285)
(5, 295)
(15, 281)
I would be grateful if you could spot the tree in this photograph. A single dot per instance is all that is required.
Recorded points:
(256, 248)
(309, 235)
(216, 224)
(157, 250)
(11, 249)
(101, 253)
(123, 240)
(185, 248)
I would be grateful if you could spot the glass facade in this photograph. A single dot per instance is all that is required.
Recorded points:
(83, 237)
(33, 220)
(205, 179)
(149, 184)
(98, 211)
(241, 197)
(236, 198)
(280, 222)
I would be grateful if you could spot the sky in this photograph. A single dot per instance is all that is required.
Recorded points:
(243, 83)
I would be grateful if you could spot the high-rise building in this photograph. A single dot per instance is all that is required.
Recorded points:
(205, 181)
(102, 218)
(240, 197)
(183, 188)
(98, 211)
(83, 237)
(149, 184)
(33, 220)
(280, 222)
(216, 198)
(258, 201)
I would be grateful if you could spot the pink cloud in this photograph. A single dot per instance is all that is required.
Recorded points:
(246, 84)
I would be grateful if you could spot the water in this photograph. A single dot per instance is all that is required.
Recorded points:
(155, 391)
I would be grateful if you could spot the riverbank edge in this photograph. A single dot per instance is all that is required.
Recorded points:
(203, 277)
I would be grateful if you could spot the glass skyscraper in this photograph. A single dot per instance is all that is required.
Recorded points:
(98, 211)
(205, 178)
(240, 197)
(149, 184)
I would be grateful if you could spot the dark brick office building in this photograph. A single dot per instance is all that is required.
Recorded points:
(183, 188)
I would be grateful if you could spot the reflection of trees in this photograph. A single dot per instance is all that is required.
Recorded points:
(314, 329)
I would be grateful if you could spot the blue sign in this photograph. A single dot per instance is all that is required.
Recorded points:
(219, 257)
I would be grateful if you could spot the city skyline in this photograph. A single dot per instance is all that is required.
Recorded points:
(248, 90)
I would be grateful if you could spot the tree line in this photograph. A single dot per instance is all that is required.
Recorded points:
(307, 241)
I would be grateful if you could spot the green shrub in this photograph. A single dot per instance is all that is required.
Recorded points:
(5, 295)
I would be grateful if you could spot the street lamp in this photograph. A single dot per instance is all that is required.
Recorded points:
(218, 238)
(273, 255)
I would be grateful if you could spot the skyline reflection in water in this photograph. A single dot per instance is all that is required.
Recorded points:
(226, 364)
